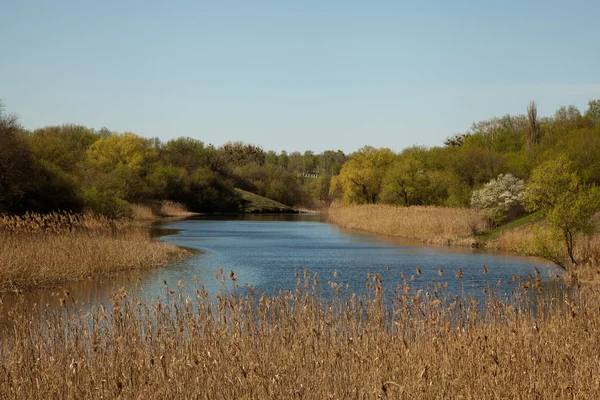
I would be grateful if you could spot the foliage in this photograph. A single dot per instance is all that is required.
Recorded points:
(557, 192)
(361, 178)
(54, 167)
(106, 203)
(499, 198)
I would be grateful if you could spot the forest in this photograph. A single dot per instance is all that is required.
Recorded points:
(75, 168)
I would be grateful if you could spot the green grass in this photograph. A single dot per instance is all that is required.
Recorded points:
(255, 204)
(496, 232)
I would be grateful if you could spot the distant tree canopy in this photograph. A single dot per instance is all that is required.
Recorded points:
(72, 167)
(75, 167)
(449, 175)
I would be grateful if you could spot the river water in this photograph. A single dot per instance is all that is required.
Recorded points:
(266, 251)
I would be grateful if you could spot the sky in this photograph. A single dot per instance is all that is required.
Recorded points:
(295, 75)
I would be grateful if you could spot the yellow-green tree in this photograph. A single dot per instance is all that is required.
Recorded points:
(128, 158)
(406, 182)
(361, 178)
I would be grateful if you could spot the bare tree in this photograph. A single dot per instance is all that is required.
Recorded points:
(533, 127)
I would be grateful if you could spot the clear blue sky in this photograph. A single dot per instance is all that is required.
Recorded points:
(295, 75)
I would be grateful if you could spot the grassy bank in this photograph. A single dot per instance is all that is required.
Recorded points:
(429, 224)
(528, 235)
(535, 238)
(255, 204)
(298, 346)
(53, 248)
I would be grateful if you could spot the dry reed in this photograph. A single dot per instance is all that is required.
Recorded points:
(169, 209)
(140, 212)
(48, 249)
(429, 224)
(174, 209)
(535, 239)
(301, 345)
(542, 241)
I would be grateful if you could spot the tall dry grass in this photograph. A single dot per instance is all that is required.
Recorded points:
(301, 345)
(429, 224)
(168, 209)
(541, 240)
(48, 249)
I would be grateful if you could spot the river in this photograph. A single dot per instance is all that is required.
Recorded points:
(266, 251)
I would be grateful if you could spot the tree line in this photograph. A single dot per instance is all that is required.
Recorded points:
(72, 167)
(448, 175)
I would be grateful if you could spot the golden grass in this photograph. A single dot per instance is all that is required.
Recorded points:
(141, 212)
(48, 249)
(173, 209)
(541, 240)
(298, 345)
(429, 224)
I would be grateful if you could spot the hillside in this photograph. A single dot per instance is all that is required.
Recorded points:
(255, 204)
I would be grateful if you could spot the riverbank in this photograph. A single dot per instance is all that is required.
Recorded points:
(437, 225)
(528, 236)
(46, 250)
(535, 238)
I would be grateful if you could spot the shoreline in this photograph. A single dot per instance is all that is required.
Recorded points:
(53, 249)
(515, 240)
(433, 225)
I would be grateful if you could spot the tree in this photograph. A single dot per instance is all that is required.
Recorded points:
(533, 126)
(63, 146)
(127, 159)
(15, 163)
(406, 182)
(239, 153)
(570, 113)
(28, 183)
(593, 111)
(556, 191)
(456, 140)
(361, 178)
(500, 198)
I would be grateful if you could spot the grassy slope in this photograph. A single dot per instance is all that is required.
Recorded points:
(256, 204)
(495, 233)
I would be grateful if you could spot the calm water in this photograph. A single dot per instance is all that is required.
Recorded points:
(266, 251)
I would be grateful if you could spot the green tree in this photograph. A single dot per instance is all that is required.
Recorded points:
(63, 146)
(127, 157)
(361, 178)
(27, 183)
(556, 191)
(406, 182)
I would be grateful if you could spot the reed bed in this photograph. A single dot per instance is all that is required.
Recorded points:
(163, 209)
(174, 209)
(141, 212)
(438, 225)
(48, 249)
(541, 241)
(302, 344)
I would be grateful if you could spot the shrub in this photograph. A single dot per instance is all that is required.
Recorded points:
(106, 203)
(500, 198)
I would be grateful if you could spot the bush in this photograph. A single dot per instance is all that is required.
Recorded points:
(106, 203)
(500, 198)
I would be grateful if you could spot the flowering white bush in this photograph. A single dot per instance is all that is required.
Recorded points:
(499, 197)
